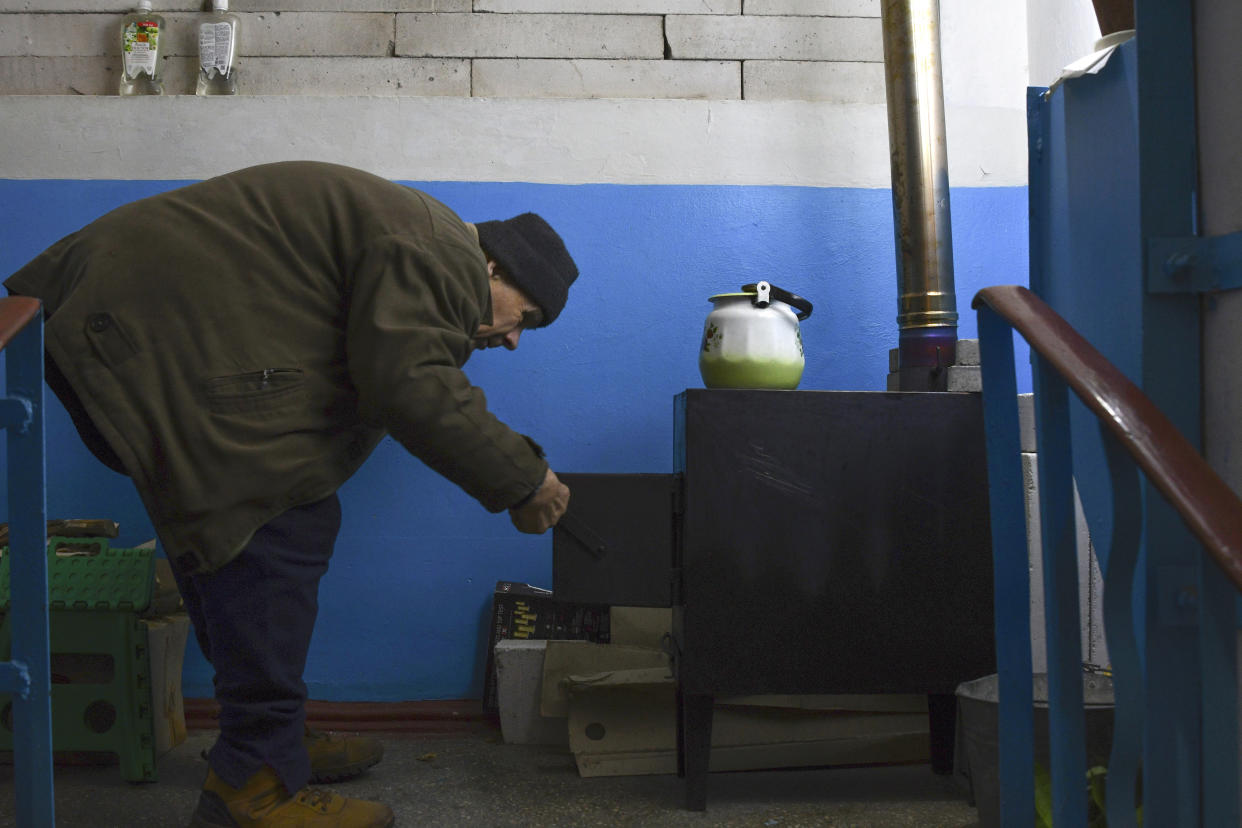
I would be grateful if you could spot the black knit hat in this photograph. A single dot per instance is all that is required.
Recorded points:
(534, 257)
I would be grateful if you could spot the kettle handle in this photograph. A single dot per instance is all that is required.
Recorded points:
(803, 306)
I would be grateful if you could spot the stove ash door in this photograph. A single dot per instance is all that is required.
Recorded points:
(615, 544)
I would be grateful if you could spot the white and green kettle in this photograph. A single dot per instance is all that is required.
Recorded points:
(752, 339)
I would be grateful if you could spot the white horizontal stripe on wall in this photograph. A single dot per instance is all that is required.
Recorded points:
(793, 143)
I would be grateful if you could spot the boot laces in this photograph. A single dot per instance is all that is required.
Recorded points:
(316, 798)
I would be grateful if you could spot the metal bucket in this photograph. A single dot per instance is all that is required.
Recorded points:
(977, 713)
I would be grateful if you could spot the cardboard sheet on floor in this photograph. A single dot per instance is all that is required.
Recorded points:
(648, 626)
(878, 703)
(583, 658)
(624, 722)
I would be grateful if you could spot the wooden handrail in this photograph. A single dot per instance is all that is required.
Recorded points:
(15, 314)
(1207, 504)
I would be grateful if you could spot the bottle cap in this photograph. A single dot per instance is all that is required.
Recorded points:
(144, 5)
(219, 5)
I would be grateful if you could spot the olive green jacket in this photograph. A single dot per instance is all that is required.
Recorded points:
(244, 343)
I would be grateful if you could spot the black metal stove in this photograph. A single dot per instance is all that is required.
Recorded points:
(810, 542)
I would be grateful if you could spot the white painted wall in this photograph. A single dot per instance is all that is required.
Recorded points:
(1058, 32)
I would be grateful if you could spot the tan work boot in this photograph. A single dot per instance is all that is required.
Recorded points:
(263, 801)
(335, 758)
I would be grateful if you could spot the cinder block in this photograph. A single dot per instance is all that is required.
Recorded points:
(358, 5)
(609, 6)
(257, 76)
(59, 75)
(893, 382)
(815, 8)
(968, 352)
(796, 80)
(1090, 583)
(117, 7)
(59, 35)
(964, 378)
(519, 683)
(355, 76)
(305, 34)
(166, 6)
(602, 36)
(1026, 421)
(755, 37)
(262, 34)
(606, 79)
(1035, 557)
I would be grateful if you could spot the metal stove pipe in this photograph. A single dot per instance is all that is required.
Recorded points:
(926, 304)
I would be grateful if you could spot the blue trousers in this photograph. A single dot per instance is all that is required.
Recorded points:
(253, 619)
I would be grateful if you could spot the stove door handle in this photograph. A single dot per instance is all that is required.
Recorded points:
(593, 543)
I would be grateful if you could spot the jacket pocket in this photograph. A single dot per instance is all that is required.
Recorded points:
(256, 392)
(109, 339)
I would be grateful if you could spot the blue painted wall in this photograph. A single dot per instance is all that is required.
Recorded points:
(404, 606)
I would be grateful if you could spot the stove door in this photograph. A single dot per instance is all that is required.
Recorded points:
(615, 544)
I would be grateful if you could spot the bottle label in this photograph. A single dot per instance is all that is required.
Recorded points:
(215, 47)
(140, 40)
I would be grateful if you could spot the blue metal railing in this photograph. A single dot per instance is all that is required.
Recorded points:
(27, 677)
(1151, 466)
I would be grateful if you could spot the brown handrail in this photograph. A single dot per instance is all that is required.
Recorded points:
(1207, 504)
(15, 314)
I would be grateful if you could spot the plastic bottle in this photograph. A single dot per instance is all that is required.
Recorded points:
(217, 51)
(142, 41)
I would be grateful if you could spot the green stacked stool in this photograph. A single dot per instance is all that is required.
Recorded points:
(101, 671)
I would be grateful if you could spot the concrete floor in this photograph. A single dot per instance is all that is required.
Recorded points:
(473, 779)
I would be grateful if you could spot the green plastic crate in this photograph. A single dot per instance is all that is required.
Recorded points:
(101, 689)
(101, 668)
(94, 576)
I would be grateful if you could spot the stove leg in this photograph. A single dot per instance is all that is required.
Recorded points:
(681, 734)
(696, 745)
(942, 724)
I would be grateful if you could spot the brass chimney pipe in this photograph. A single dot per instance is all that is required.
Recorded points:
(926, 304)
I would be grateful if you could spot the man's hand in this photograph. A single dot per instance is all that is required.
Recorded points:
(541, 512)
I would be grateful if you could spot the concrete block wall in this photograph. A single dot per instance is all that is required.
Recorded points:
(817, 50)
(1090, 580)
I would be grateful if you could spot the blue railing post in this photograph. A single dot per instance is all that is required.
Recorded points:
(1121, 569)
(1011, 578)
(1170, 589)
(28, 603)
(1067, 740)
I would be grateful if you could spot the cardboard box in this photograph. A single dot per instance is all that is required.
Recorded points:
(522, 611)
(625, 723)
(166, 638)
(641, 626)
